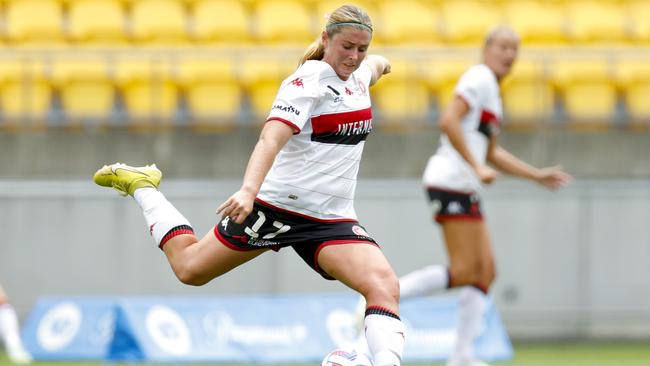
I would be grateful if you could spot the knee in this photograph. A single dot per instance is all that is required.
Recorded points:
(490, 276)
(464, 273)
(190, 277)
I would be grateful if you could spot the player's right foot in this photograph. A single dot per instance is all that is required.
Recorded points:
(126, 179)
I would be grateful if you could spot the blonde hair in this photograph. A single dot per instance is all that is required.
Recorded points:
(500, 30)
(344, 16)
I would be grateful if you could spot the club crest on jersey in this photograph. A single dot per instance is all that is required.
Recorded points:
(362, 88)
(358, 230)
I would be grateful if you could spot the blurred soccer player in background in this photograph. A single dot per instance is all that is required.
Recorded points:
(453, 179)
(299, 186)
(10, 331)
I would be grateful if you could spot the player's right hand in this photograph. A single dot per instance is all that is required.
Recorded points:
(238, 206)
(486, 174)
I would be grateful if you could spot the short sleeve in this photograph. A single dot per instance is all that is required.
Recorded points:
(364, 73)
(296, 99)
(473, 86)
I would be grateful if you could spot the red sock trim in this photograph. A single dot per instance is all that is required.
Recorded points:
(380, 310)
(178, 230)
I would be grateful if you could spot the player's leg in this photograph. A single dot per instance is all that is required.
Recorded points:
(471, 262)
(417, 283)
(10, 331)
(194, 261)
(364, 268)
(444, 206)
(423, 281)
(198, 262)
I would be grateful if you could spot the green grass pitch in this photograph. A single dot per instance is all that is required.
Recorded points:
(560, 354)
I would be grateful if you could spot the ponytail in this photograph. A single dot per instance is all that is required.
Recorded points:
(315, 51)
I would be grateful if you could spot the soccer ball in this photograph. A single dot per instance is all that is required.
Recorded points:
(342, 357)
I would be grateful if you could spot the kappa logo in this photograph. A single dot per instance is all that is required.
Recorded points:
(348, 91)
(455, 207)
(359, 231)
(297, 82)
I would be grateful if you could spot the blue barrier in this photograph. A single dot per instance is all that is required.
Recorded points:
(256, 329)
(72, 328)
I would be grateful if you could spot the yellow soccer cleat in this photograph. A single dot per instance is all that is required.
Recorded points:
(126, 179)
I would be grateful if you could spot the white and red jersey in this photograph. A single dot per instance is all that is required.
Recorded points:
(447, 169)
(315, 173)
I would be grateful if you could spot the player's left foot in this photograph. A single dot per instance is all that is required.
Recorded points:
(126, 179)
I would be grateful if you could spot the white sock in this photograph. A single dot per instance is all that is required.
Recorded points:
(385, 336)
(161, 216)
(423, 281)
(9, 330)
(471, 303)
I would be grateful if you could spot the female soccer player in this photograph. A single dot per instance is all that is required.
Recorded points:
(10, 331)
(299, 185)
(453, 178)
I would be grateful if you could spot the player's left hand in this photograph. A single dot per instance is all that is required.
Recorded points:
(553, 177)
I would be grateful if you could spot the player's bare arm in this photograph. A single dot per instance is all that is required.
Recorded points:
(450, 124)
(274, 136)
(550, 177)
(379, 66)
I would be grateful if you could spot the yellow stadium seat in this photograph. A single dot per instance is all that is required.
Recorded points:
(634, 79)
(596, 21)
(221, 21)
(85, 87)
(402, 96)
(537, 22)
(96, 22)
(159, 22)
(213, 93)
(149, 92)
(588, 90)
(34, 22)
(262, 78)
(407, 21)
(283, 21)
(639, 14)
(442, 76)
(467, 21)
(527, 94)
(25, 92)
